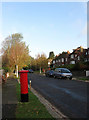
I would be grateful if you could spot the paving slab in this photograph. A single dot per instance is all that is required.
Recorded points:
(9, 98)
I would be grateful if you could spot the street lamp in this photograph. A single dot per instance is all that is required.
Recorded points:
(30, 84)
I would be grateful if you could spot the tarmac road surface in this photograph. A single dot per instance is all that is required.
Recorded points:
(69, 96)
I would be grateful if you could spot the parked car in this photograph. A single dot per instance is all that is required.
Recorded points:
(49, 73)
(62, 73)
(30, 70)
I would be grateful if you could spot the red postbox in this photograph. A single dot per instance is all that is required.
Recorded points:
(24, 85)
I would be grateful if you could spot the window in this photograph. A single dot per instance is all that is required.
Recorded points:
(72, 56)
(66, 59)
(65, 71)
(75, 55)
(53, 62)
(72, 62)
(78, 57)
(59, 60)
(56, 70)
(56, 61)
(85, 59)
(62, 59)
(88, 52)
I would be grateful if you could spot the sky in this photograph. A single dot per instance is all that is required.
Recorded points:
(46, 26)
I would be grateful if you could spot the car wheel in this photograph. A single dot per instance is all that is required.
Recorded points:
(46, 75)
(54, 76)
(60, 77)
(70, 78)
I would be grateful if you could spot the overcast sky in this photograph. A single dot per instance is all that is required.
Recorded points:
(47, 26)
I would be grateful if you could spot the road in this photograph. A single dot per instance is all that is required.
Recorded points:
(69, 96)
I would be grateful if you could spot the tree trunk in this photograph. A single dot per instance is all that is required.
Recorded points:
(40, 69)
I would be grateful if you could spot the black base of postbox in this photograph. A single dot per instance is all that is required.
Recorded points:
(24, 97)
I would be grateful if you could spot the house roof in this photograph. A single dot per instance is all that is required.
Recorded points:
(62, 55)
(79, 50)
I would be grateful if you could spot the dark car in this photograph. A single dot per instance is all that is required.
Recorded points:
(30, 71)
(62, 73)
(49, 73)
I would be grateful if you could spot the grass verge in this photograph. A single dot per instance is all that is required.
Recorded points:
(84, 78)
(38, 72)
(32, 109)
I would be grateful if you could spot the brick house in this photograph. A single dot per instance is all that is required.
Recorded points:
(77, 55)
(86, 55)
(61, 59)
(53, 62)
(65, 58)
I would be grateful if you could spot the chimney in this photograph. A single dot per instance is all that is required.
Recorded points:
(68, 52)
(81, 49)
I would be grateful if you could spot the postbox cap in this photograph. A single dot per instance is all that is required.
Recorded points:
(23, 71)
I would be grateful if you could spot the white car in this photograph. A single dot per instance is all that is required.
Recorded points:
(62, 73)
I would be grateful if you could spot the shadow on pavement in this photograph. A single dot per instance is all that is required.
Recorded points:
(9, 98)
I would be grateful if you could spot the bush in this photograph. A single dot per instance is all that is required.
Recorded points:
(77, 66)
(83, 66)
(6, 69)
(69, 66)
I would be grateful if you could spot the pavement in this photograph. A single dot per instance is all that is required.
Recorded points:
(9, 99)
(0, 101)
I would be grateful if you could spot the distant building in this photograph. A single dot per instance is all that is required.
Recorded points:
(65, 58)
(86, 55)
(77, 55)
(49, 62)
(61, 59)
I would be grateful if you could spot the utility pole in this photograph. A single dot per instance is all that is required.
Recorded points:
(40, 69)
(17, 68)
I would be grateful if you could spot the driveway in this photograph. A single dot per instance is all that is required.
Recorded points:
(69, 96)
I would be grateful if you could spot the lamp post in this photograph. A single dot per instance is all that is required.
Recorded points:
(17, 71)
(17, 68)
(30, 84)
